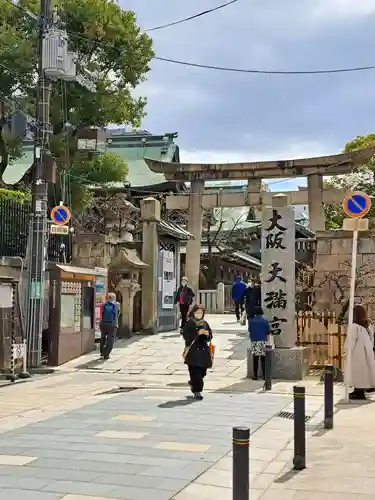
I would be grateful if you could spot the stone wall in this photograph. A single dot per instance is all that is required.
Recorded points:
(91, 250)
(333, 268)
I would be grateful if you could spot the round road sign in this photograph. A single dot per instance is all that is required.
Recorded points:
(60, 215)
(356, 204)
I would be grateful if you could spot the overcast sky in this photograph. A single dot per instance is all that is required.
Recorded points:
(232, 116)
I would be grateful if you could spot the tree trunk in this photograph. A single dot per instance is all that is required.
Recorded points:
(211, 271)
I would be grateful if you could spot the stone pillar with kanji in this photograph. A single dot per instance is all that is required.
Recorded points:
(290, 362)
(278, 270)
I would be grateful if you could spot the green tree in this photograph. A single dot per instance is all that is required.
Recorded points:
(361, 179)
(109, 45)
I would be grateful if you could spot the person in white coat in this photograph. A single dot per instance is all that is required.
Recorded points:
(359, 353)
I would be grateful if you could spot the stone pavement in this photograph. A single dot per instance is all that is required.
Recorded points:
(341, 462)
(157, 360)
(130, 446)
(72, 436)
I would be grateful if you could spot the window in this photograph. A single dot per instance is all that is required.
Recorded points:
(88, 307)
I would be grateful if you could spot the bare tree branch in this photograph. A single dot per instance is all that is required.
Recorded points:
(110, 214)
(337, 283)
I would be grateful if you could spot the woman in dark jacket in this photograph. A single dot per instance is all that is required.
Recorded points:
(197, 335)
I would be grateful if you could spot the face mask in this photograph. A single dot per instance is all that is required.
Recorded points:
(183, 283)
(198, 315)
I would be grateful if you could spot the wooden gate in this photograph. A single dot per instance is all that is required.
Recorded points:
(323, 335)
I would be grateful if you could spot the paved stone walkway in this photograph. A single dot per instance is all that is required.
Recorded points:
(68, 436)
(156, 360)
(132, 446)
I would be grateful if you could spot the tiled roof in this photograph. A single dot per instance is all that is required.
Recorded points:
(228, 219)
(239, 255)
(14, 172)
(174, 230)
(133, 147)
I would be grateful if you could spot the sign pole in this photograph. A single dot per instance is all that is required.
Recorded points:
(351, 297)
(353, 274)
(356, 205)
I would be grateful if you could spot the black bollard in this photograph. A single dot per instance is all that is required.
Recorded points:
(268, 368)
(241, 443)
(299, 460)
(328, 397)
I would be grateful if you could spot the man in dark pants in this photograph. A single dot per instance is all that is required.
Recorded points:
(109, 325)
(238, 290)
(184, 298)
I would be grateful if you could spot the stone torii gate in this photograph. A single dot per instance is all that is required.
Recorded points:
(253, 172)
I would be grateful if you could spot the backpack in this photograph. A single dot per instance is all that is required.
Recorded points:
(109, 313)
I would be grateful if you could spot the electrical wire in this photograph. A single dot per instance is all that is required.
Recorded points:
(265, 72)
(228, 69)
(67, 175)
(235, 70)
(212, 67)
(190, 18)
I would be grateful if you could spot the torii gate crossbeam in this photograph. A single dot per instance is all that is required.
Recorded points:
(312, 168)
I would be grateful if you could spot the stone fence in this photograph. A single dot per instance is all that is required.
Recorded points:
(214, 300)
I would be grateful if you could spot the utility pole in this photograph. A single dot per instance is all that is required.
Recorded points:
(38, 236)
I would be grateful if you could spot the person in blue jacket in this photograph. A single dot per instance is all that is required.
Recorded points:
(238, 292)
(259, 330)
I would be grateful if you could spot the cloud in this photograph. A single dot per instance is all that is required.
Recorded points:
(342, 9)
(229, 116)
(232, 156)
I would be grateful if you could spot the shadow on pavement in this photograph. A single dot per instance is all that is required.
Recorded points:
(178, 402)
(238, 347)
(341, 405)
(245, 385)
(287, 476)
(98, 362)
(117, 390)
(349, 405)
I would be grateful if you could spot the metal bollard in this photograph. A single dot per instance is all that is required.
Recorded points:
(299, 460)
(241, 444)
(328, 396)
(268, 368)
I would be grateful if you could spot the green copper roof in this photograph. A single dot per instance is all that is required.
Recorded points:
(130, 146)
(133, 147)
(229, 219)
(14, 172)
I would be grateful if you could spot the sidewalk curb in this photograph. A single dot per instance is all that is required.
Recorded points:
(16, 382)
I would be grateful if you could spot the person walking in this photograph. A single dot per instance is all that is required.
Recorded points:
(252, 298)
(359, 370)
(109, 325)
(197, 334)
(184, 298)
(260, 335)
(238, 291)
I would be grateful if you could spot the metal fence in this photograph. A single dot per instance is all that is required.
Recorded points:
(15, 217)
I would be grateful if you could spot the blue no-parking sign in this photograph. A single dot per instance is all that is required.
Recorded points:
(356, 204)
(60, 215)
